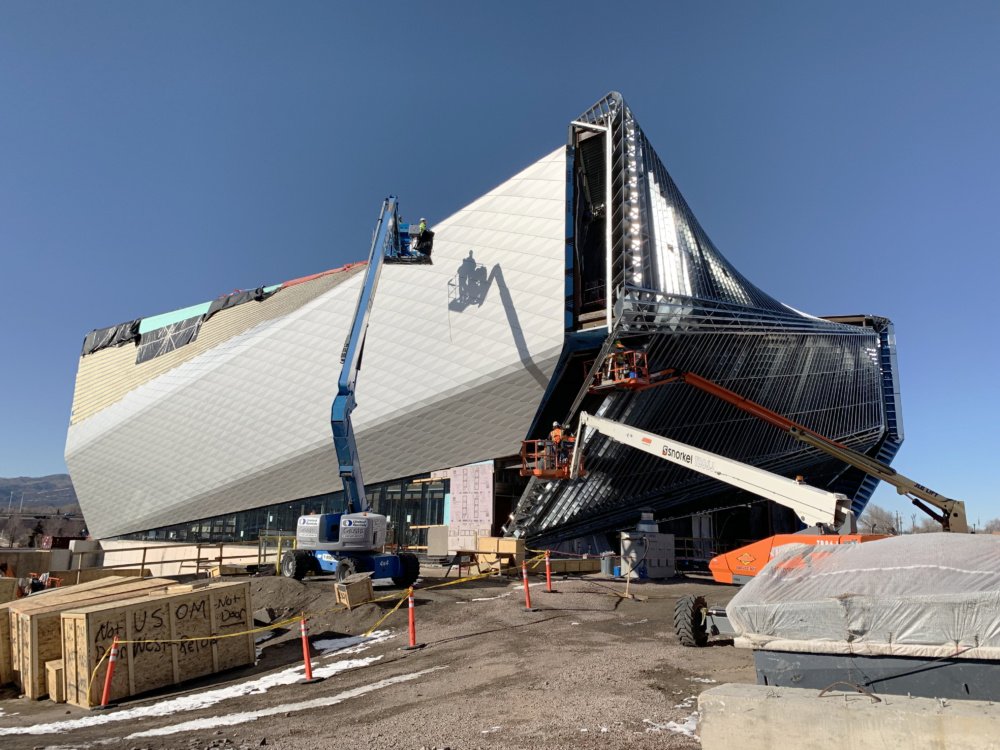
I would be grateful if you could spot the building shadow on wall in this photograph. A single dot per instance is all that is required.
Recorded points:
(470, 287)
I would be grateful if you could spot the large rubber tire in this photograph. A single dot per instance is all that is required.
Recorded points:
(345, 567)
(295, 565)
(411, 570)
(689, 622)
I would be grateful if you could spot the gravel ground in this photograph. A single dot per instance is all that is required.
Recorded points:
(590, 669)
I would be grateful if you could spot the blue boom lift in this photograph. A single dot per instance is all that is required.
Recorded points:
(351, 542)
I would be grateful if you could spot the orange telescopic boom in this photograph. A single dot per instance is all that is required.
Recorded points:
(946, 511)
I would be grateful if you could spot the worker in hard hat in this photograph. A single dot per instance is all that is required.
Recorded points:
(422, 241)
(555, 441)
(565, 443)
(614, 364)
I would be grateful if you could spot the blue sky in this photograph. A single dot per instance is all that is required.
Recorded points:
(844, 155)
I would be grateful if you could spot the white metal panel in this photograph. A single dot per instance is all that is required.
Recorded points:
(443, 382)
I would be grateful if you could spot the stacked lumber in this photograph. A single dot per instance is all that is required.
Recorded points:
(579, 565)
(35, 635)
(186, 632)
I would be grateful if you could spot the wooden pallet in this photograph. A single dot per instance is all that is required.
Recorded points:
(221, 609)
(35, 626)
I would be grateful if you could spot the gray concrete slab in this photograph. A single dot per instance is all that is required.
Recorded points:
(753, 717)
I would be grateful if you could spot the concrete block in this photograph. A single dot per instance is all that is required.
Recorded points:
(759, 717)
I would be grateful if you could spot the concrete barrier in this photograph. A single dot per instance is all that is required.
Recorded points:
(758, 717)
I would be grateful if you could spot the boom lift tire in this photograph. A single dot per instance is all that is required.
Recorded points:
(345, 567)
(295, 565)
(689, 621)
(411, 570)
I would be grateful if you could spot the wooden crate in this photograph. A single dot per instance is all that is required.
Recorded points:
(87, 575)
(221, 610)
(8, 645)
(354, 590)
(8, 589)
(499, 552)
(35, 626)
(54, 680)
(6, 665)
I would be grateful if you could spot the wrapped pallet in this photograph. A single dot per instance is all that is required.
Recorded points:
(917, 614)
(168, 638)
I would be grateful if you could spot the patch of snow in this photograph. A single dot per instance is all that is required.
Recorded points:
(584, 729)
(604, 729)
(4, 713)
(637, 622)
(207, 698)
(705, 680)
(228, 720)
(574, 623)
(487, 598)
(687, 702)
(491, 730)
(687, 727)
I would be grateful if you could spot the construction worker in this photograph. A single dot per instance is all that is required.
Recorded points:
(616, 362)
(565, 443)
(555, 441)
(425, 238)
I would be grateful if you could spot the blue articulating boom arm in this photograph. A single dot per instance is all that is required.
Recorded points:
(385, 241)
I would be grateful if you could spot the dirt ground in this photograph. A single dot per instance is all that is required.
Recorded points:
(589, 669)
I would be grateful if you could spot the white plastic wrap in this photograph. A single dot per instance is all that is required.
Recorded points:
(928, 595)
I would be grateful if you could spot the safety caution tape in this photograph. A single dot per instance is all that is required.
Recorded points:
(313, 615)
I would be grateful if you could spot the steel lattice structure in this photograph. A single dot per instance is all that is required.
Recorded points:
(673, 294)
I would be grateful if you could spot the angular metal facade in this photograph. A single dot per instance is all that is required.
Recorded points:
(673, 294)
(464, 358)
(457, 358)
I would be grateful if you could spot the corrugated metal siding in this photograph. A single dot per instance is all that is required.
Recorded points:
(104, 377)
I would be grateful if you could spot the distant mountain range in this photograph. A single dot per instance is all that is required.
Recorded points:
(54, 492)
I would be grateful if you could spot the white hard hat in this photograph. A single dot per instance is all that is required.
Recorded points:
(555, 424)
